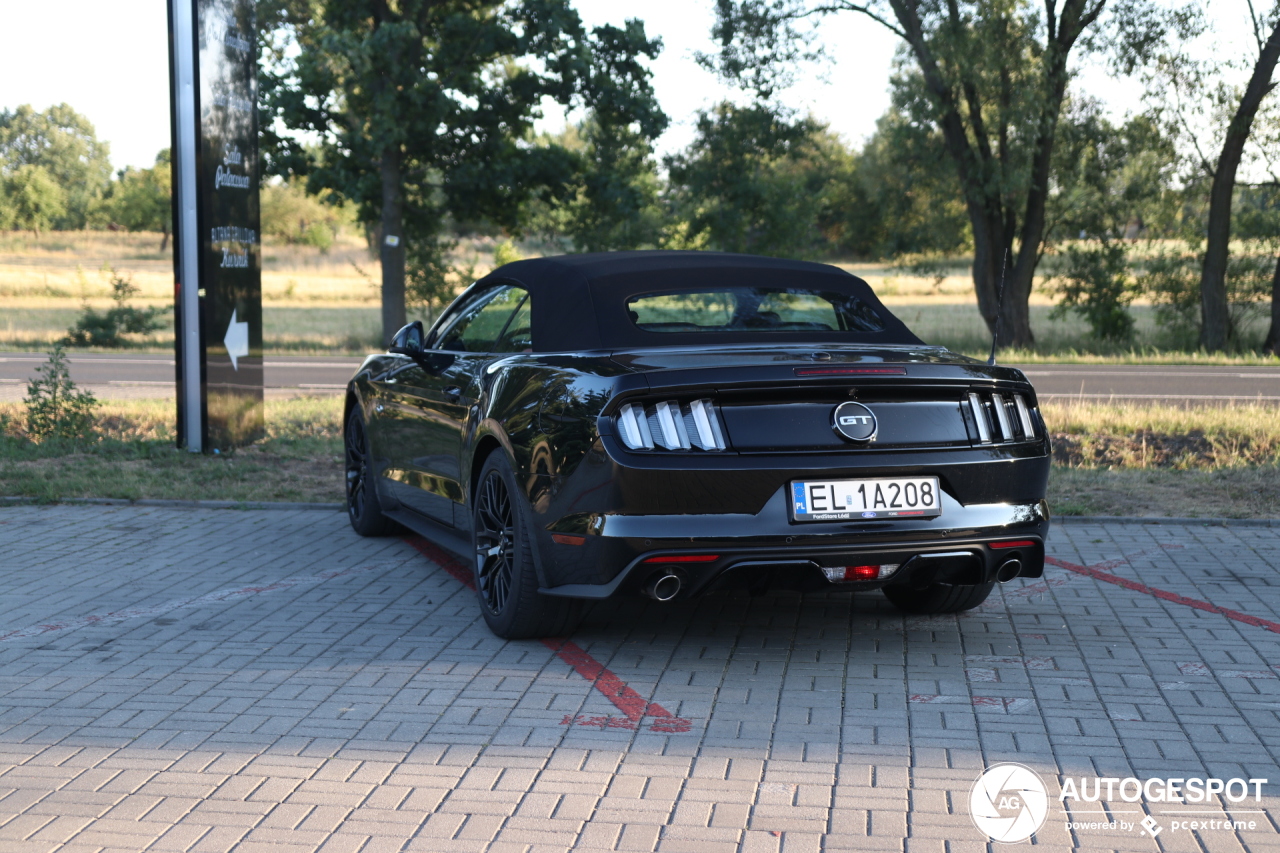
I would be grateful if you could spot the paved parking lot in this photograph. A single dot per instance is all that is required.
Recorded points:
(222, 680)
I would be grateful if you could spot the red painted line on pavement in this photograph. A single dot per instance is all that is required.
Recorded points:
(1096, 571)
(443, 559)
(613, 688)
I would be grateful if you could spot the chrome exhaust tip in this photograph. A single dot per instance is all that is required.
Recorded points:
(1009, 570)
(664, 587)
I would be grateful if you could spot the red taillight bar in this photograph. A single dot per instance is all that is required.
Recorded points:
(851, 371)
(1012, 543)
(684, 558)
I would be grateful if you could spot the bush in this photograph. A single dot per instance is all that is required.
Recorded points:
(105, 330)
(56, 408)
(1172, 278)
(1096, 285)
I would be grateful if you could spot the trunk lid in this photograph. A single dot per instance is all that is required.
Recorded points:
(782, 398)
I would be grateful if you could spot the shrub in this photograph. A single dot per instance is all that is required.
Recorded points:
(56, 408)
(1095, 284)
(105, 330)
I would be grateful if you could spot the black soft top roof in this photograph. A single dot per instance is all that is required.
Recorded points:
(579, 301)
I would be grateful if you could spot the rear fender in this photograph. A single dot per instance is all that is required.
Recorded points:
(488, 437)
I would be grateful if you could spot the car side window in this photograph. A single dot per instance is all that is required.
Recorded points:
(518, 335)
(479, 326)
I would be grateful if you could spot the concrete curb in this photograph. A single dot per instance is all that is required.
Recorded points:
(1138, 519)
(168, 504)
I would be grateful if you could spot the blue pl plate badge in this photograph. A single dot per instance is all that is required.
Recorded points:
(797, 491)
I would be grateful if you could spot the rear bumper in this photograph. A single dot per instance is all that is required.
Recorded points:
(628, 552)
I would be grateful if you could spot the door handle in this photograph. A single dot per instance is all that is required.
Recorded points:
(454, 393)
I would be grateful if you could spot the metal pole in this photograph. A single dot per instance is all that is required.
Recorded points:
(186, 236)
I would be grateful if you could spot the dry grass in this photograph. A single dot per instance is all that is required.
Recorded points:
(327, 303)
(1128, 435)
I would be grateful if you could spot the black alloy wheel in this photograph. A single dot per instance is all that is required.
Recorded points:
(495, 535)
(506, 580)
(363, 508)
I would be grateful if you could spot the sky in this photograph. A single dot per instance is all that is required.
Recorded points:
(110, 62)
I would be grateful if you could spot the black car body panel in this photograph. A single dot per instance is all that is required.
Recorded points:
(607, 516)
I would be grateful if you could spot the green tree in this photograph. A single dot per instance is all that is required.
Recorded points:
(141, 199)
(31, 199)
(992, 75)
(423, 107)
(63, 143)
(1216, 121)
(1215, 328)
(296, 216)
(755, 180)
(901, 196)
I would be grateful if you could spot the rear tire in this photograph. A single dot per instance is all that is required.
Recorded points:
(363, 508)
(506, 581)
(938, 597)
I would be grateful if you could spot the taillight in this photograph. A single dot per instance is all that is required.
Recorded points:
(1002, 417)
(670, 425)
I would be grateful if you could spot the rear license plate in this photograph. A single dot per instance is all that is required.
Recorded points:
(844, 500)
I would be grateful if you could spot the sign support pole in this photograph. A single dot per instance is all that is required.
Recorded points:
(186, 244)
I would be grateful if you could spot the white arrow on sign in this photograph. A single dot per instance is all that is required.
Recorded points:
(237, 340)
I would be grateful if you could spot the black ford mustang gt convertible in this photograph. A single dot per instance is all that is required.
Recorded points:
(666, 423)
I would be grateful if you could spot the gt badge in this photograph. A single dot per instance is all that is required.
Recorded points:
(854, 421)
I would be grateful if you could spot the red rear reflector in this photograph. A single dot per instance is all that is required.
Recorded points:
(1014, 543)
(851, 371)
(861, 573)
(685, 558)
(568, 539)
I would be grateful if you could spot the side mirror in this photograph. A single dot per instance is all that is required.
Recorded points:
(409, 340)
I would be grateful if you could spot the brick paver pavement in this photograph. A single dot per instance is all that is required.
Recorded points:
(205, 680)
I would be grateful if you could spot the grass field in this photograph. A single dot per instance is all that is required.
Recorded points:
(1155, 460)
(327, 303)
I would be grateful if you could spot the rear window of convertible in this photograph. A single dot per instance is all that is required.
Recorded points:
(752, 309)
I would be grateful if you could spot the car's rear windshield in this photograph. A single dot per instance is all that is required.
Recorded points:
(752, 309)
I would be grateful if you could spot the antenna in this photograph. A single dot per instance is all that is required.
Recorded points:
(995, 338)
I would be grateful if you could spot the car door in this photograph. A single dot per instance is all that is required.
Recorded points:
(435, 397)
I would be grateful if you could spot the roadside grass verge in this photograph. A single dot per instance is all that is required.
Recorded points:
(135, 457)
(1109, 458)
(1120, 458)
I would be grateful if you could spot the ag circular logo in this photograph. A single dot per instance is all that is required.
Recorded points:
(854, 421)
(1009, 802)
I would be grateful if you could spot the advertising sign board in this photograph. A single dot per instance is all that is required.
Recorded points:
(217, 250)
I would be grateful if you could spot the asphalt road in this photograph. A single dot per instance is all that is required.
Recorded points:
(152, 375)
(134, 375)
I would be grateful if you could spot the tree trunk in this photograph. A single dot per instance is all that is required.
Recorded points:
(995, 282)
(1215, 320)
(164, 240)
(392, 245)
(1272, 344)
